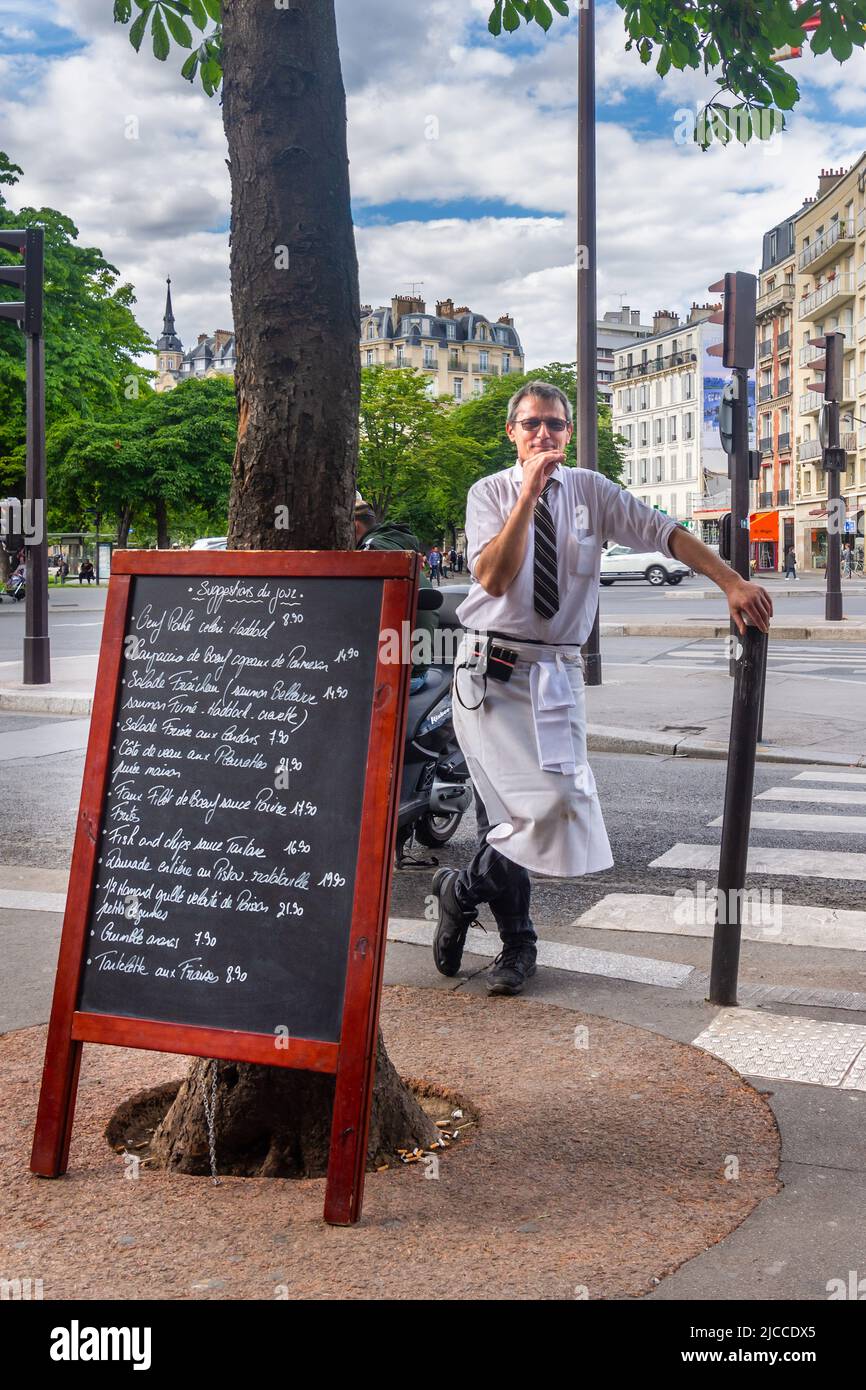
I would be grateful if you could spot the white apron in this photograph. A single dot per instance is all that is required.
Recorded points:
(525, 747)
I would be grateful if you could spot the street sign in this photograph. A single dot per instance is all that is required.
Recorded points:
(230, 876)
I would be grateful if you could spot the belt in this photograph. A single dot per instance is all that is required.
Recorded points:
(532, 641)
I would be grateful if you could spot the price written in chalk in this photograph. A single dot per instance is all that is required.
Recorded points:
(332, 880)
(335, 692)
(346, 654)
(234, 972)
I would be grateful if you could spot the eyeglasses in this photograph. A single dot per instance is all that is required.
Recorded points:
(533, 422)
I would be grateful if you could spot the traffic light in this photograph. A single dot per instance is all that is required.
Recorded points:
(737, 315)
(725, 536)
(29, 243)
(830, 364)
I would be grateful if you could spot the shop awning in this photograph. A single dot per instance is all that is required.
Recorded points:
(764, 526)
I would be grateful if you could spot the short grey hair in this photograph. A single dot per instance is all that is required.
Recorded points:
(545, 392)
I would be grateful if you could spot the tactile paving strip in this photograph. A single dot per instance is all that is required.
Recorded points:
(788, 1049)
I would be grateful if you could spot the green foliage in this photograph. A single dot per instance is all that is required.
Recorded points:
(91, 336)
(483, 419)
(171, 19)
(414, 465)
(175, 446)
(735, 39)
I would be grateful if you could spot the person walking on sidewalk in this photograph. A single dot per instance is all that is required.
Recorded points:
(534, 534)
(790, 564)
(434, 560)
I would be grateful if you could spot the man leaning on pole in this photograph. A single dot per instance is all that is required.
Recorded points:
(534, 534)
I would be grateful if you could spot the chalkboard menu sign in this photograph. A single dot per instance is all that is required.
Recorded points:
(231, 868)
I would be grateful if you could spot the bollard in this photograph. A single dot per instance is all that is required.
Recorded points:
(745, 718)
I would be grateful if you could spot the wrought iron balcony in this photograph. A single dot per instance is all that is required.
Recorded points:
(765, 499)
(830, 244)
(780, 296)
(783, 497)
(765, 348)
(827, 296)
(784, 441)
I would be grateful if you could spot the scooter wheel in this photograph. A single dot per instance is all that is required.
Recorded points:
(437, 830)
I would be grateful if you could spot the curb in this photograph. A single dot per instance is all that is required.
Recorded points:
(601, 738)
(704, 627)
(36, 701)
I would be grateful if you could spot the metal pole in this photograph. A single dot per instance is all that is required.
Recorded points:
(833, 598)
(586, 433)
(37, 656)
(739, 787)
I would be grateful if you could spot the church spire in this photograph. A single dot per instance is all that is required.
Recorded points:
(169, 341)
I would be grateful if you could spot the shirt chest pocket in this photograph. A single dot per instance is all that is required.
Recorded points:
(582, 556)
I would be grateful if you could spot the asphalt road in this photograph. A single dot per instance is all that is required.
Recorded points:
(650, 804)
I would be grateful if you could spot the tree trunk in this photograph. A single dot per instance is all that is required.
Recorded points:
(124, 520)
(274, 1123)
(163, 540)
(294, 278)
(297, 327)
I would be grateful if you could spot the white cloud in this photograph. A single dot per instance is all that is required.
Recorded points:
(671, 218)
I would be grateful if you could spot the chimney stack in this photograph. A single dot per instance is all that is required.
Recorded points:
(827, 179)
(663, 319)
(445, 308)
(406, 304)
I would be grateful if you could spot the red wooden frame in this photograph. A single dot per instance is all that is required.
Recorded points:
(353, 1059)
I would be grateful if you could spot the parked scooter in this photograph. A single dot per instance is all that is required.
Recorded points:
(435, 792)
(16, 587)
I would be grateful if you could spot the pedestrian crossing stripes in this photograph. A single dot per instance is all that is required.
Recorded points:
(852, 779)
(816, 825)
(832, 796)
(794, 863)
(764, 919)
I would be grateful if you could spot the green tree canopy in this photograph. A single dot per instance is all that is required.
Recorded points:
(413, 463)
(91, 336)
(159, 460)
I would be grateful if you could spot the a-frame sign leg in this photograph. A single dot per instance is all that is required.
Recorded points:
(50, 1155)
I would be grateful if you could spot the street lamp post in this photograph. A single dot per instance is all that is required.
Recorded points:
(587, 382)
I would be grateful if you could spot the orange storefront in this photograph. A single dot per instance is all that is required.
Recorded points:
(764, 540)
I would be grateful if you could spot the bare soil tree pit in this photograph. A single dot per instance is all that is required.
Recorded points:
(594, 1172)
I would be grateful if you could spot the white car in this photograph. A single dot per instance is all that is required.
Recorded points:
(210, 543)
(619, 562)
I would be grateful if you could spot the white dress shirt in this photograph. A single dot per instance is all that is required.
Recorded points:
(587, 509)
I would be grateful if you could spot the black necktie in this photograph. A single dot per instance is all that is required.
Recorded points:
(546, 585)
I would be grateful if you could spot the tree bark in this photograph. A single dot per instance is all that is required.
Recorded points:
(124, 520)
(274, 1123)
(297, 325)
(163, 540)
(294, 275)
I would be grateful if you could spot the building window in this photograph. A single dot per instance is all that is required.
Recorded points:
(450, 330)
(659, 471)
(673, 469)
(643, 470)
(401, 357)
(687, 425)
(369, 359)
(458, 388)
(371, 330)
(687, 386)
(484, 360)
(672, 430)
(429, 358)
(506, 368)
(689, 468)
(644, 434)
(659, 432)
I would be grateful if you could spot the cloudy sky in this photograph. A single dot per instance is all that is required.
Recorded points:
(483, 212)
